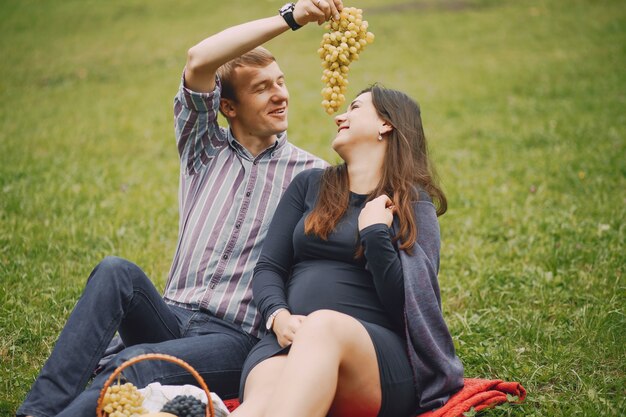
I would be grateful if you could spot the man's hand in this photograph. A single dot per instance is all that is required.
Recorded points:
(319, 11)
(285, 327)
(379, 210)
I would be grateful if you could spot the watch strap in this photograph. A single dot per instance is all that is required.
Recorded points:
(270, 320)
(287, 13)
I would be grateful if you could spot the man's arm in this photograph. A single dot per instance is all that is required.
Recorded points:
(206, 57)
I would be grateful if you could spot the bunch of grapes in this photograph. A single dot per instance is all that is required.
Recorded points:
(185, 406)
(123, 401)
(341, 45)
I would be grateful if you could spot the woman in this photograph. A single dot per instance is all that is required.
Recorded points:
(347, 279)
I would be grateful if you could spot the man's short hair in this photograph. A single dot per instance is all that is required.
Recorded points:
(258, 57)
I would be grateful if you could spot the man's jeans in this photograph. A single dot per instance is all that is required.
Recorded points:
(120, 297)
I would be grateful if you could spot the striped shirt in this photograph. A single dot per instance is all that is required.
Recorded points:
(227, 198)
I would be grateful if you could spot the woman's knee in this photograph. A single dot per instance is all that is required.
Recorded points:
(327, 325)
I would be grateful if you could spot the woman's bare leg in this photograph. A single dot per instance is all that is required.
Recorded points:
(260, 386)
(331, 369)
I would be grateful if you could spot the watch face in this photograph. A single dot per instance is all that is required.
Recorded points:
(286, 8)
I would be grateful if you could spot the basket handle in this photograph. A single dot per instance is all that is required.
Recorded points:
(160, 356)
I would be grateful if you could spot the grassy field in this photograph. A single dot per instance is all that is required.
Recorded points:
(524, 104)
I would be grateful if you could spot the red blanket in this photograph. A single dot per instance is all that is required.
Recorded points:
(480, 394)
(477, 393)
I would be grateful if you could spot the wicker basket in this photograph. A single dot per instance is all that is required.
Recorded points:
(155, 356)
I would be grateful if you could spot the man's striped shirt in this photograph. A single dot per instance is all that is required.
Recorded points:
(227, 198)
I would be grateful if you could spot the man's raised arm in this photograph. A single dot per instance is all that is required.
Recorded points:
(206, 57)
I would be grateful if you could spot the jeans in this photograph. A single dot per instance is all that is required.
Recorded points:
(120, 297)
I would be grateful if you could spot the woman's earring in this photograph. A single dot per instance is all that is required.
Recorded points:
(380, 136)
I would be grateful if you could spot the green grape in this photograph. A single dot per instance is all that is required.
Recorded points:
(341, 45)
(123, 401)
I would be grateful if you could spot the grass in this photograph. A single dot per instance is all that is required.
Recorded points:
(524, 106)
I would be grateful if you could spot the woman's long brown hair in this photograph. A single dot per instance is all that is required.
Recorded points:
(406, 168)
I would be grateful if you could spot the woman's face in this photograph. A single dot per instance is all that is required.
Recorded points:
(358, 126)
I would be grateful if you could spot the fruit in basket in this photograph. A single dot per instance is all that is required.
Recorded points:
(185, 406)
(123, 401)
(158, 415)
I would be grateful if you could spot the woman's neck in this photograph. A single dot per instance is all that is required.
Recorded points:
(364, 176)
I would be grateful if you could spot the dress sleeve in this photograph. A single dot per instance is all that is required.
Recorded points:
(384, 264)
(198, 135)
(274, 265)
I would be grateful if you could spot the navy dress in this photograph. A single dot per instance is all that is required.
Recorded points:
(305, 273)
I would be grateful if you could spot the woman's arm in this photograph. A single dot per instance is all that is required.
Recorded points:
(382, 259)
(385, 266)
(276, 259)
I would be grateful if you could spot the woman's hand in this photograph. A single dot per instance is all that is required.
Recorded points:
(379, 210)
(285, 327)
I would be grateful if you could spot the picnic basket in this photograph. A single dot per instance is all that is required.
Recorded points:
(210, 412)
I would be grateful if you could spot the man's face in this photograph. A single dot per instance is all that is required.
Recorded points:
(261, 106)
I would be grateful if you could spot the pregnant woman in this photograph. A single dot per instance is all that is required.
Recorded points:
(347, 279)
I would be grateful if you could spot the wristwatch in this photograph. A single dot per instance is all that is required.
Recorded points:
(270, 320)
(287, 13)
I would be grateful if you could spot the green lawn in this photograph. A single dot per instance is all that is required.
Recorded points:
(524, 104)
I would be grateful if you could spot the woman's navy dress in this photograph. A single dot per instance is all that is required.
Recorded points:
(315, 274)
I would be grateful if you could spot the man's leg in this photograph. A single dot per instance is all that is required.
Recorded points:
(118, 295)
(212, 347)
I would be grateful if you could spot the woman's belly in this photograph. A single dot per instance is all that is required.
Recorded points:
(334, 285)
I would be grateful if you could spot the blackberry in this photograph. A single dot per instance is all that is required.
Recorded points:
(185, 406)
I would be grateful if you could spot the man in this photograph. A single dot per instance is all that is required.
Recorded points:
(230, 183)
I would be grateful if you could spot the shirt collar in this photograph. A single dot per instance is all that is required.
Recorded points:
(244, 153)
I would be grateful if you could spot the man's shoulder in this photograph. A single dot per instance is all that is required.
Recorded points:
(298, 155)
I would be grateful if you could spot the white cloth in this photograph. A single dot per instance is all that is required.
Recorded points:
(156, 395)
